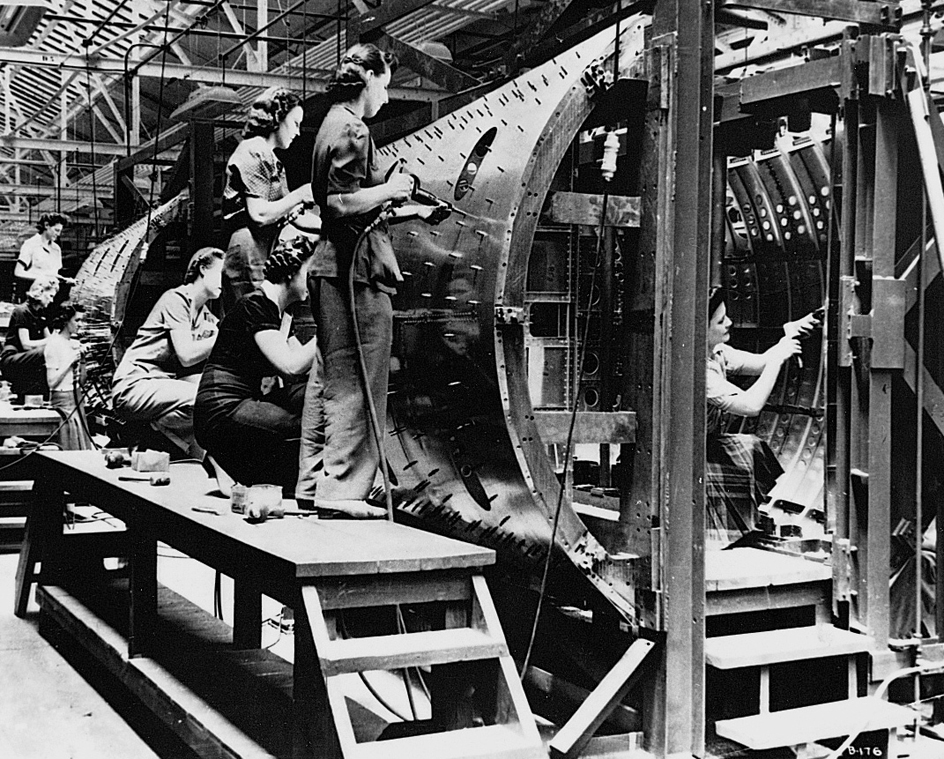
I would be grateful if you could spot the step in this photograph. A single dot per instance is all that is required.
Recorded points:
(409, 650)
(492, 742)
(775, 646)
(808, 724)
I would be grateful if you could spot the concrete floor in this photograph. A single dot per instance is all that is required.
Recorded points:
(47, 709)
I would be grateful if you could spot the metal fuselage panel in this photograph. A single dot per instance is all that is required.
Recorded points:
(462, 420)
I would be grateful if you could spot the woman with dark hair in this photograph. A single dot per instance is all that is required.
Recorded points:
(157, 378)
(354, 269)
(740, 468)
(21, 361)
(256, 195)
(40, 255)
(63, 354)
(254, 435)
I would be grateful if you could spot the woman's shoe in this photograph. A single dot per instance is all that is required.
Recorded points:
(352, 508)
(223, 481)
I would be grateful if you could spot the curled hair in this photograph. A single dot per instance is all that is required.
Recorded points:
(717, 297)
(200, 262)
(287, 259)
(351, 75)
(62, 315)
(50, 220)
(42, 284)
(268, 111)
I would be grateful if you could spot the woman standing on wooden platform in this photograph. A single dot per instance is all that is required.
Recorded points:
(256, 196)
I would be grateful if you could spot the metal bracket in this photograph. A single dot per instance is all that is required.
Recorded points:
(847, 306)
(510, 315)
(842, 570)
(596, 79)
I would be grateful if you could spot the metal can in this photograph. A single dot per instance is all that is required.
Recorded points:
(238, 497)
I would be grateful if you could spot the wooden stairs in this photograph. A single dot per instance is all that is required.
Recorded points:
(766, 583)
(469, 661)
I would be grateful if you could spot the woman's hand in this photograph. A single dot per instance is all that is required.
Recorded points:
(433, 215)
(304, 195)
(801, 326)
(784, 350)
(399, 188)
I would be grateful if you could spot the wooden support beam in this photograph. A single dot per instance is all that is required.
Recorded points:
(586, 208)
(167, 139)
(615, 427)
(576, 733)
(201, 185)
(884, 14)
(428, 67)
(66, 146)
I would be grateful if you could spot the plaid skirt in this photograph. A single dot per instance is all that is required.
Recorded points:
(740, 470)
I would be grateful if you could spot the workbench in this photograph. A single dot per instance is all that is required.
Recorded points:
(315, 566)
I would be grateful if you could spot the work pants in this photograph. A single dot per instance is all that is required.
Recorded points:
(257, 442)
(165, 402)
(25, 371)
(350, 456)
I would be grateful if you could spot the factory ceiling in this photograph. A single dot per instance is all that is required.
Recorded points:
(84, 82)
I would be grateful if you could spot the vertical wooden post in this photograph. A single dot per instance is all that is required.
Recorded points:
(684, 32)
(201, 184)
(142, 606)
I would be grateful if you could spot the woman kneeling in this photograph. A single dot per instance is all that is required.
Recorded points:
(252, 435)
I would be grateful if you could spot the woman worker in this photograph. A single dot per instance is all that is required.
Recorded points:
(254, 436)
(740, 468)
(40, 255)
(256, 194)
(351, 191)
(21, 360)
(157, 378)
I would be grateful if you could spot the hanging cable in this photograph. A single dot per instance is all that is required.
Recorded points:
(568, 449)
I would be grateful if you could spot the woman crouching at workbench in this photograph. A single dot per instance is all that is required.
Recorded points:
(252, 435)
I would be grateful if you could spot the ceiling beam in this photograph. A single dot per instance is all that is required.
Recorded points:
(48, 191)
(425, 65)
(233, 77)
(68, 146)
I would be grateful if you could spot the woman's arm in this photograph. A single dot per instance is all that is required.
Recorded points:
(285, 357)
(397, 189)
(751, 402)
(29, 344)
(188, 350)
(264, 212)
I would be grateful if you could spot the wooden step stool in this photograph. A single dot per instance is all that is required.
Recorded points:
(471, 645)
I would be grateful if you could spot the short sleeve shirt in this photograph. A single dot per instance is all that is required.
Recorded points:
(719, 391)
(344, 161)
(25, 316)
(38, 256)
(58, 353)
(152, 352)
(253, 171)
(236, 351)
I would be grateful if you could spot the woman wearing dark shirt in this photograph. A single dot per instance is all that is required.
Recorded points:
(256, 194)
(352, 192)
(21, 361)
(254, 437)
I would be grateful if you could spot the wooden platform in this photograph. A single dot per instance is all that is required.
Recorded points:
(748, 579)
(188, 668)
(775, 646)
(809, 724)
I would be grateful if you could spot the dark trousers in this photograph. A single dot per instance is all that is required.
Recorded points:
(26, 372)
(257, 443)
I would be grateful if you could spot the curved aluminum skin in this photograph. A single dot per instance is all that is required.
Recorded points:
(462, 424)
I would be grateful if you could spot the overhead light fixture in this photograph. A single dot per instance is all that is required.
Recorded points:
(19, 19)
(206, 103)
